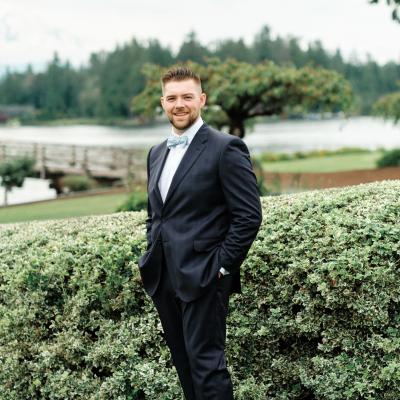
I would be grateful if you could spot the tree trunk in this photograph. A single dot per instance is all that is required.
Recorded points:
(236, 128)
(5, 195)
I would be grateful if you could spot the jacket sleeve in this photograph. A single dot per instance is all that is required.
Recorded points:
(149, 211)
(242, 197)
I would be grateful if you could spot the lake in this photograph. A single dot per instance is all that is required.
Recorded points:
(280, 136)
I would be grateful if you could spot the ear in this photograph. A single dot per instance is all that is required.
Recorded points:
(162, 101)
(203, 99)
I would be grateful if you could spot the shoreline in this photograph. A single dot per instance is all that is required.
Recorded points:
(137, 123)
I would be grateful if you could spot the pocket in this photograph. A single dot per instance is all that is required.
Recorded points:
(206, 244)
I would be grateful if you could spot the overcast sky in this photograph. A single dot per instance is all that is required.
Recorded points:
(30, 31)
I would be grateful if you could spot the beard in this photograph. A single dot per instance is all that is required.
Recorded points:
(184, 124)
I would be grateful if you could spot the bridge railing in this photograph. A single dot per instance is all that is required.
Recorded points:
(97, 161)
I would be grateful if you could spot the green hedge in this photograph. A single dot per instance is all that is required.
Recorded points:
(319, 317)
(77, 183)
(391, 158)
(135, 202)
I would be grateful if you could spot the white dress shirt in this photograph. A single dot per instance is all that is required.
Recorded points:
(173, 160)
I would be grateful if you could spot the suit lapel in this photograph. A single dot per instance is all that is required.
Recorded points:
(157, 171)
(195, 148)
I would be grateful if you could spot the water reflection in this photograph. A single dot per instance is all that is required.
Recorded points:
(33, 190)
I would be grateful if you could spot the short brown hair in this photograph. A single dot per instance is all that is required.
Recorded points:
(180, 74)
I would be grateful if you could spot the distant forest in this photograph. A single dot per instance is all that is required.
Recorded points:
(104, 88)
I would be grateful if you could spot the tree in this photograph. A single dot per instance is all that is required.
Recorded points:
(262, 46)
(156, 53)
(395, 4)
(229, 48)
(388, 106)
(120, 79)
(56, 90)
(317, 54)
(238, 91)
(192, 49)
(13, 174)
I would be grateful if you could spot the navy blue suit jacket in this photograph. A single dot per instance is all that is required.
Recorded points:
(209, 219)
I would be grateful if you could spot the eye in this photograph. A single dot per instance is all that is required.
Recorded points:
(188, 97)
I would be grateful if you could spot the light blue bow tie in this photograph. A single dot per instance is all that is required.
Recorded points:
(173, 141)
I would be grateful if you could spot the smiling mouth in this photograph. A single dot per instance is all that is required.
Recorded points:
(180, 117)
(180, 114)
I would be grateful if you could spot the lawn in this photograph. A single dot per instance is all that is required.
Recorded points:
(332, 163)
(63, 208)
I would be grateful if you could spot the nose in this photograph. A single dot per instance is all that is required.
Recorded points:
(179, 102)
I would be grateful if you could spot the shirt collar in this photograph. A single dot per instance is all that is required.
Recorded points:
(192, 130)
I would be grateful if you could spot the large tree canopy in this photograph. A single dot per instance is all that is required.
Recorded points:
(389, 106)
(395, 4)
(238, 91)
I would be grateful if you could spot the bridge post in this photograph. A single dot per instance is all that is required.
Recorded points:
(73, 156)
(3, 152)
(85, 163)
(129, 155)
(43, 162)
(114, 158)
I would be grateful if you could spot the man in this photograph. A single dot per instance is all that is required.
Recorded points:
(203, 215)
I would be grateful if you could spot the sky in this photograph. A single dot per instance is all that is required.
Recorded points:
(31, 31)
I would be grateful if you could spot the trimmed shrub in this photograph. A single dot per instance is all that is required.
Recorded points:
(390, 158)
(319, 317)
(136, 201)
(77, 183)
(13, 173)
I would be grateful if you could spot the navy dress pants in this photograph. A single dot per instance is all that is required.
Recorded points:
(195, 334)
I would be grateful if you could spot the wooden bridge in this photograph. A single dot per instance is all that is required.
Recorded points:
(98, 162)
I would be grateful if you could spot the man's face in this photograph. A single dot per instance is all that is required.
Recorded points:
(182, 102)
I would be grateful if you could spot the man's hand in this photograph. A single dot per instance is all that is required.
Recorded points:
(219, 274)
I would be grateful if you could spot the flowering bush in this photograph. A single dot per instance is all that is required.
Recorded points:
(319, 317)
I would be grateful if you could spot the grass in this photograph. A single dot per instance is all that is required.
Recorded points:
(333, 163)
(63, 208)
